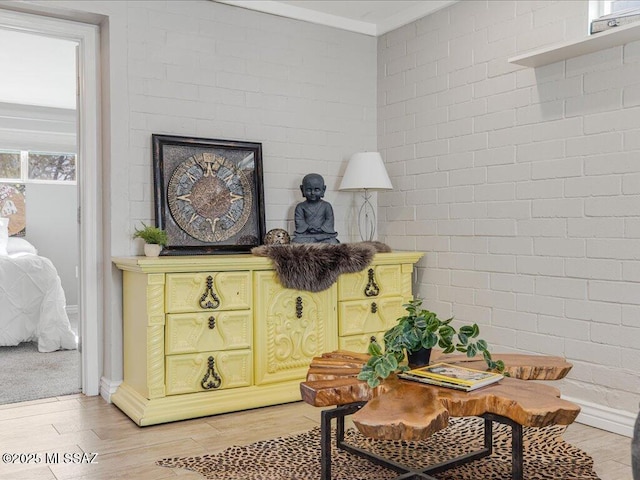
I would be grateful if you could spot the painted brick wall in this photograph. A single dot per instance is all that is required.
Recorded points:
(204, 69)
(198, 68)
(521, 185)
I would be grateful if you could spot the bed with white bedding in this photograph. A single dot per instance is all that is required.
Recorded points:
(32, 301)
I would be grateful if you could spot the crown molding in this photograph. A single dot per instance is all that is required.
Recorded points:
(305, 14)
(290, 11)
(409, 15)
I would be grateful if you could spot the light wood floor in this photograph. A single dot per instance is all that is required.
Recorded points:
(76, 424)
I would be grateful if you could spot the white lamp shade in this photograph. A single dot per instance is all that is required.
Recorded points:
(365, 171)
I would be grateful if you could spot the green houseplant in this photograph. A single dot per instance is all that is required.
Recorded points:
(422, 329)
(154, 238)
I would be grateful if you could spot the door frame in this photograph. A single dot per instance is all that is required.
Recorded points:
(89, 178)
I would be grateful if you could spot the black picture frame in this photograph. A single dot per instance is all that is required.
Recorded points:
(209, 194)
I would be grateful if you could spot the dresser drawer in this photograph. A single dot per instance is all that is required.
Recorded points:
(201, 332)
(359, 343)
(208, 291)
(373, 315)
(376, 281)
(186, 373)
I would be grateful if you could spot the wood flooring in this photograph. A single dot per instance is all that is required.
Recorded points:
(80, 426)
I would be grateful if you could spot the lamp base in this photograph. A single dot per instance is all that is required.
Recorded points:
(367, 218)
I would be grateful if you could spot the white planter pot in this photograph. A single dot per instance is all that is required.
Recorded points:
(152, 249)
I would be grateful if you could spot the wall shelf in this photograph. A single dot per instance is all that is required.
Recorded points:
(592, 43)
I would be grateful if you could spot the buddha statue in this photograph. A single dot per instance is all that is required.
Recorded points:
(314, 216)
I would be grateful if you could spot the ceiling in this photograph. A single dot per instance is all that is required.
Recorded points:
(370, 17)
(37, 70)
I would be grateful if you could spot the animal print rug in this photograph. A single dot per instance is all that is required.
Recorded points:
(546, 456)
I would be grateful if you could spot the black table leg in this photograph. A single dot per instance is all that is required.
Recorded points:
(325, 434)
(517, 453)
(517, 446)
(407, 473)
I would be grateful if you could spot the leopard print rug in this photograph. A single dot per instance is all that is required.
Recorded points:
(546, 456)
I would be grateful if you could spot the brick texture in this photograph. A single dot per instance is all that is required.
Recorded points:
(534, 212)
(306, 92)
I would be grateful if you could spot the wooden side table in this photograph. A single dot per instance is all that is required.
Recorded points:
(405, 410)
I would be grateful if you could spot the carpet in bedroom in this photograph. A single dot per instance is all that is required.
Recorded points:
(26, 374)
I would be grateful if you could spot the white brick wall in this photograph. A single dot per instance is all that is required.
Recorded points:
(534, 209)
(306, 92)
(198, 68)
(521, 185)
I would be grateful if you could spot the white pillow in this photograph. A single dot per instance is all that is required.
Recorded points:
(20, 245)
(4, 235)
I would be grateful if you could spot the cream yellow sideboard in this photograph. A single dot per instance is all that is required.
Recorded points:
(212, 334)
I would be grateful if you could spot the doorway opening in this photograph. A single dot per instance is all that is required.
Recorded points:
(84, 205)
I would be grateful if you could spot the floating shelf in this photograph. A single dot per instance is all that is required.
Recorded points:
(592, 43)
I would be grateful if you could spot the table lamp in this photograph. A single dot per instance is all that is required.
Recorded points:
(365, 172)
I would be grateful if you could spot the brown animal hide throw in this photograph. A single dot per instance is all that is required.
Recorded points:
(316, 266)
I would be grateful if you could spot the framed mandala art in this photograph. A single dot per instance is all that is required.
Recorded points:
(13, 207)
(208, 194)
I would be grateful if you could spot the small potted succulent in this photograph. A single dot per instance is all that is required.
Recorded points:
(416, 334)
(154, 239)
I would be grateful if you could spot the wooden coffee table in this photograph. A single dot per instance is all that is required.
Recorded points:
(406, 410)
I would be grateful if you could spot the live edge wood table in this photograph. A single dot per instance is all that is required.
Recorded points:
(406, 410)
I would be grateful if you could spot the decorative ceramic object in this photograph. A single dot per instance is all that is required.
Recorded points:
(277, 236)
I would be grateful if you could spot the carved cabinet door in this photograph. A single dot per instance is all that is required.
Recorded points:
(291, 327)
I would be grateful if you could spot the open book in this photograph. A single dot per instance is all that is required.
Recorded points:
(452, 376)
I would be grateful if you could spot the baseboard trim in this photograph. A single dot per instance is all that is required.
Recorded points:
(108, 388)
(598, 416)
(606, 418)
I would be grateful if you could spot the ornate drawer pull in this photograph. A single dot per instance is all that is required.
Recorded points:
(212, 322)
(372, 289)
(209, 293)
(299, 307)
(374, 307)
(211, 379)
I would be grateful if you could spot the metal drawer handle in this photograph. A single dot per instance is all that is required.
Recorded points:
(374, 307)
(211, 379)
(212, 322)
(299, 307)
(372, 289)
(209, 293)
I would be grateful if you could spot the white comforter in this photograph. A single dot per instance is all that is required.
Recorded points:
(32, 304)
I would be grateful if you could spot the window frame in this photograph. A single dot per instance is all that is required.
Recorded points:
(24, 168)
(598, 8)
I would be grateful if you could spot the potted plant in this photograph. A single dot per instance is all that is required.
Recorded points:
(154, 239)
(417, 333)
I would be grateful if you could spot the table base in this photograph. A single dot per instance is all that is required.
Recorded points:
(408, 473)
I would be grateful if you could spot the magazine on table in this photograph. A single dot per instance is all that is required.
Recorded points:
(452, 376)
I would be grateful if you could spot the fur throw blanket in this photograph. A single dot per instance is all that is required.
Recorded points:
(316, 266)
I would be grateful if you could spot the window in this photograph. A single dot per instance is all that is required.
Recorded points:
(52, 166)
(619, 6)
(25, 166)
(615, 8)
(10, 165)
